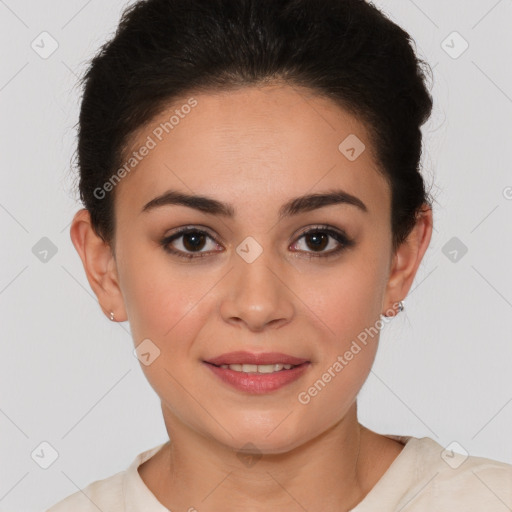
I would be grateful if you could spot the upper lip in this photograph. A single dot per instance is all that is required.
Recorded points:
(242, 357)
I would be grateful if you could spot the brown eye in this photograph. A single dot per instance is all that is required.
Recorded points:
(187, 241)
(193, 240)
(319, 238)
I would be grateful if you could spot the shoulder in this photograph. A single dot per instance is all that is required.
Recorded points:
(106, 494)
(454, 479)
(477, 476)
(112, 493)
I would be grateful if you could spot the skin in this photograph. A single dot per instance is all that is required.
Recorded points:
(256, 148)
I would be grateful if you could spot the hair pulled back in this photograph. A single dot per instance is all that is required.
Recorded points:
(345, 50)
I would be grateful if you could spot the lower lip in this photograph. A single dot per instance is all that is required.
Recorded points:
(258, 383)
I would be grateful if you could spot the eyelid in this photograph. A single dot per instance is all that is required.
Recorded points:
(322, 227)
(196, 228)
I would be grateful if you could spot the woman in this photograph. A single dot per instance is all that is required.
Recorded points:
(254, 207)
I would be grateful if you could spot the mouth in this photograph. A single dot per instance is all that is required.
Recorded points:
(257, 373)
(265, 360)
(257, 368)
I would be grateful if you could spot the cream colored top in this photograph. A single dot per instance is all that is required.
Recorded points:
(423, 478)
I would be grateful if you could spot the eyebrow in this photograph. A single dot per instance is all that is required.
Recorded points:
(295, 206)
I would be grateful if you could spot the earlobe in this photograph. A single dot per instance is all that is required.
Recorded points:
(408, 257)
(99, 264)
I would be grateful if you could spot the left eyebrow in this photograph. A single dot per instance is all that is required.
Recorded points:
(295, 206)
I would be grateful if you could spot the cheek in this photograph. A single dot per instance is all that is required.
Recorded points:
(169, 313)
(344, 300)
(345, 305)
(349, 312)
(158, 297)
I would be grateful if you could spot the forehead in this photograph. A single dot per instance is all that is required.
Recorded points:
(272, 142)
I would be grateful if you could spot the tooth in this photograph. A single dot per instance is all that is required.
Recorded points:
(257, 368)
(267, 368)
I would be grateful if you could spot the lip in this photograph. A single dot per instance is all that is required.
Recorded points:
(244, 357)
(258, 383)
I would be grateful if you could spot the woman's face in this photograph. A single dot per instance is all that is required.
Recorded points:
(254, 283)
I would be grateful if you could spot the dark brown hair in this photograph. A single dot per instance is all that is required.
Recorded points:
(345, 50)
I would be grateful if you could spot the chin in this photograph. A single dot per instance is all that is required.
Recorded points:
(265, 437)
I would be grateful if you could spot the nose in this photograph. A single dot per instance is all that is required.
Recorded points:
(256, 295)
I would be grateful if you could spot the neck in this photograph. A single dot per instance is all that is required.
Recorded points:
(331, 472)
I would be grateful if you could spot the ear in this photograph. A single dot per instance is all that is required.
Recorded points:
(407, 259)
(99, 264)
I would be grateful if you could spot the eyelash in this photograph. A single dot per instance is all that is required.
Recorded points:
(340, 237)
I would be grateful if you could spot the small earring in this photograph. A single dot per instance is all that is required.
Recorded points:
(401, 307)
(112, 316)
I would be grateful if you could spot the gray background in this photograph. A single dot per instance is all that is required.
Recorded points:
(68, 376)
